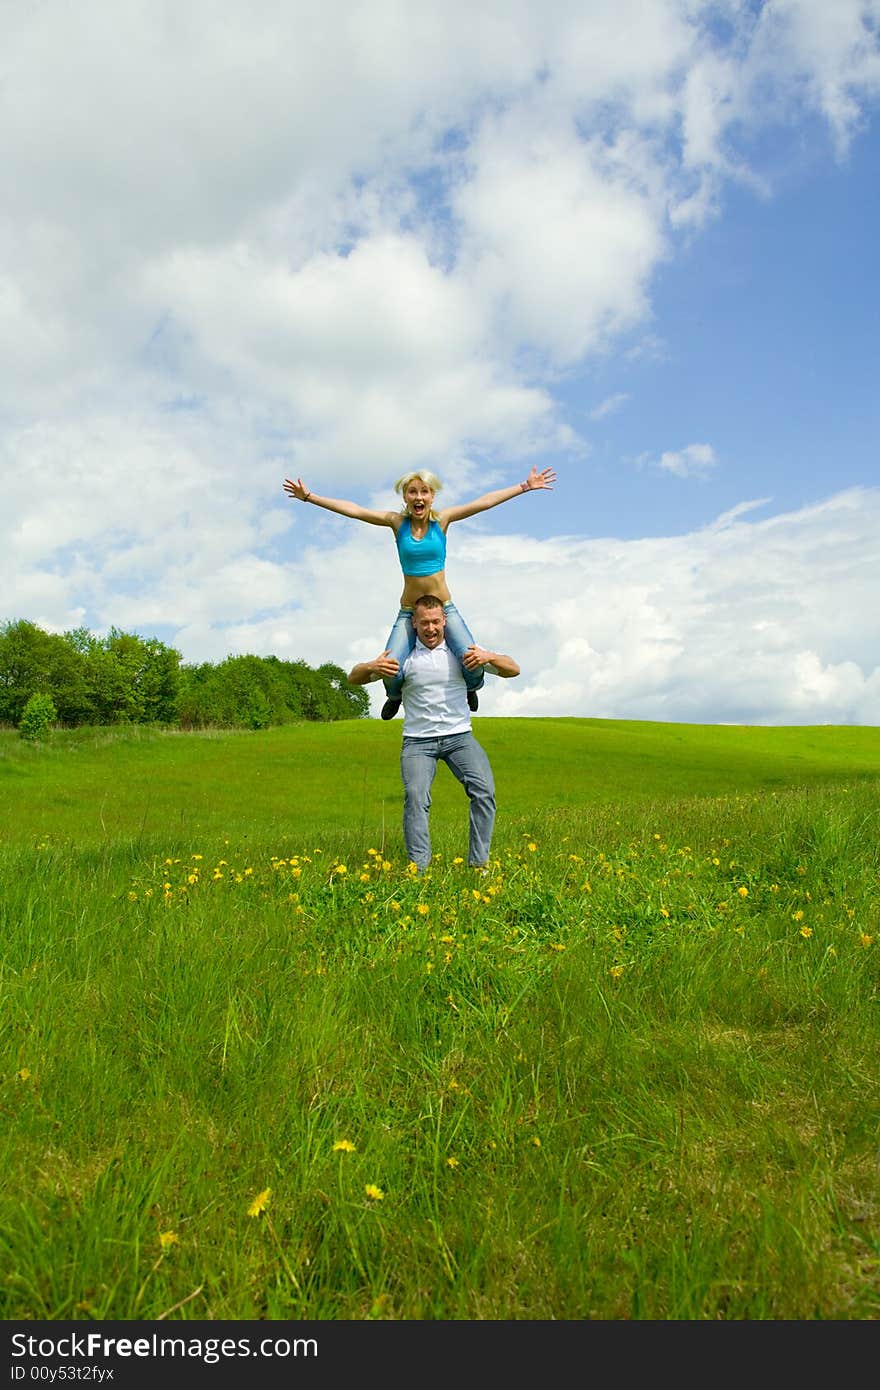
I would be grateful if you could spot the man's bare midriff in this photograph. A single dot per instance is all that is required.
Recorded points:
(415, 585)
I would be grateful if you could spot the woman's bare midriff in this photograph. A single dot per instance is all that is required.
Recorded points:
(415, 585)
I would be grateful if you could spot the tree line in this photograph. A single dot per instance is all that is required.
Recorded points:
(77, 678)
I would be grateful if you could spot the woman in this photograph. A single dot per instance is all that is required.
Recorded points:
(420, 532)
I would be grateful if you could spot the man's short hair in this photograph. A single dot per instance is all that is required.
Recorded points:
(427, 601)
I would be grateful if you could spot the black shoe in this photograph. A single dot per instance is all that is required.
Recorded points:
(390, 708)
(473, 700)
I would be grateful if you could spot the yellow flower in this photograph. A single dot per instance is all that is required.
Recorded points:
(168, 1238)
(373, 1192)
(806, 931)
(24, 1074)
(615, 972)
(260, 1202)
(343, 1146)
(536, 1141)
(458, 859)
(865, 939)
(797, 916)
(531, 847)
(423, 909)
(743, 892)
(451, 1162)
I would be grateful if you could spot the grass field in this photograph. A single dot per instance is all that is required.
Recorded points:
(251, 1067)
(97, 786)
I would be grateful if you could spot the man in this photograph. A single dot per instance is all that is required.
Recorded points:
(437, 728)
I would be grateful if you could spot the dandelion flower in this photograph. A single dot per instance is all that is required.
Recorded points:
(373, 1192)
(451, 1162)
(807, 931)
(423, 909)
(343, 1146)
(531, 847)
(615, 972)
(743, 892)
(260, 1202)
(865, 939)
(536, 1141)
(168, 1238)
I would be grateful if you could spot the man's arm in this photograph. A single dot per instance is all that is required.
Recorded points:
(366, 671)
(496, 662)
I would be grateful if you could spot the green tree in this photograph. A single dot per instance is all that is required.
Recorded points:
(24, 667)
(37, 718)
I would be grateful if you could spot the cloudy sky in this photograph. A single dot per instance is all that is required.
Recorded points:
(632, 239)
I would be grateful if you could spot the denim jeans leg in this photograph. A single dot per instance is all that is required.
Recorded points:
(418, 765)
(458, 639)
(468, 761)
(401, 640)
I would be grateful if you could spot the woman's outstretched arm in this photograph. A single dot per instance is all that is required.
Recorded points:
(301, 493)
(537, 480)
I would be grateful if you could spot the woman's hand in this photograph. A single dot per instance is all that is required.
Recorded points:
(544, 477)
(297, 489)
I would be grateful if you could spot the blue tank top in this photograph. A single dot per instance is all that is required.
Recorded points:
(426, 556)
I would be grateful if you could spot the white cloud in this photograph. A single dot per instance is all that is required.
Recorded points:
(694, 460)
(753, 622)
(349, 237)
(610, 405)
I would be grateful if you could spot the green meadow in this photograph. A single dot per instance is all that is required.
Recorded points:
(252, 1067)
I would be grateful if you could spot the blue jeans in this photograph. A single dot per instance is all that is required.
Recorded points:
(402, 639)
(467, 760)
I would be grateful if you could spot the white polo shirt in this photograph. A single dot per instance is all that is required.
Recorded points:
(434, 693)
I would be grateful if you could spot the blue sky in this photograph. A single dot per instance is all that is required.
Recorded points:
(634, 241)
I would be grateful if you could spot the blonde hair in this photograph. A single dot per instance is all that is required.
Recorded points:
(423, 475)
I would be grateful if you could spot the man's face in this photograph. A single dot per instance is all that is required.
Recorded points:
(430, 625)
